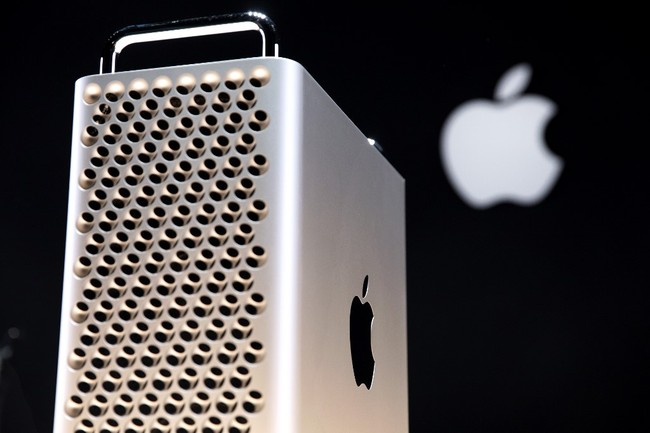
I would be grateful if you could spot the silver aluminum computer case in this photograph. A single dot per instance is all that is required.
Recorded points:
(222, 218)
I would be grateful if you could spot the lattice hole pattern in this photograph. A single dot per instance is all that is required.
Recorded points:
(166, 302)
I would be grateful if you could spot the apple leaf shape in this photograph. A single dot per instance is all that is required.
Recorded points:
(513, 82)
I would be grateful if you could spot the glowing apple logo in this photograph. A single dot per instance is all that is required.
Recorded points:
(494, 151)
(361, 317)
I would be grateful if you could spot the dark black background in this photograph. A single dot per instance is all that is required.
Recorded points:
(521, 319)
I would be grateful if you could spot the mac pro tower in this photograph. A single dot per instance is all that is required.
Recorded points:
(235, 255)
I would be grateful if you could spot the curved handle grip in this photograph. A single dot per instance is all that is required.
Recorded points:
(202, 26)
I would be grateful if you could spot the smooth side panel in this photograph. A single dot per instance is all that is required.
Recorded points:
(353, 211)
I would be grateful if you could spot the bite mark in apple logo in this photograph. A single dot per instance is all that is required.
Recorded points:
(494, 151)
(361, 318)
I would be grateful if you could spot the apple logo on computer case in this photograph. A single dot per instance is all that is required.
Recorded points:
(495, 152)
(361, 318)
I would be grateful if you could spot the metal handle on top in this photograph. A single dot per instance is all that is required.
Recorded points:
(202, 26)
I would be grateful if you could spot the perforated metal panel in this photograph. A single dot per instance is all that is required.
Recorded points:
(163, 320)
